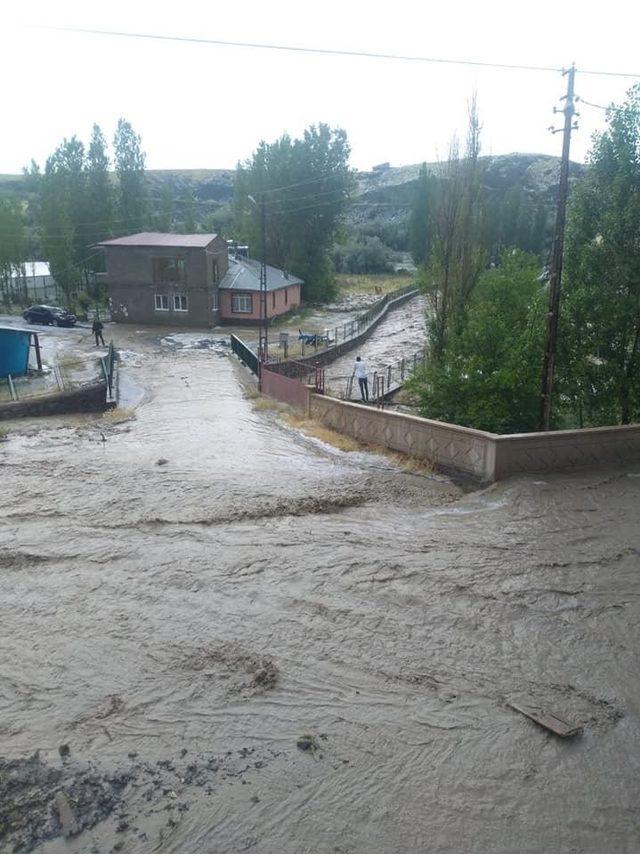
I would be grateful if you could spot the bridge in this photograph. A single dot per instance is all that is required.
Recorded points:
(383, 382)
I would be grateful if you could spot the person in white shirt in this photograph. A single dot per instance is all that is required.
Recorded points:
(360, 370)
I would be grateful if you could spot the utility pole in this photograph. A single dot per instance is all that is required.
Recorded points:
(263, 348)
(555, 273)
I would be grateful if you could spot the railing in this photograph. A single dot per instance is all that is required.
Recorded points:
(332, 337)
(12, 388)
(107, 369)
(384, 381)
(245, 355)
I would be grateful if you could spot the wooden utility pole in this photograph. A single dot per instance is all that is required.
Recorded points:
(555, 273)
(263, 349)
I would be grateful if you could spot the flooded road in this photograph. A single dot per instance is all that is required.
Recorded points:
(224, 636)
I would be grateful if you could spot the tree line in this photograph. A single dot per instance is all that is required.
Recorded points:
(486, 315)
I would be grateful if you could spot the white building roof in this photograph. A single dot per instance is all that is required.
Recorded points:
(32, 268)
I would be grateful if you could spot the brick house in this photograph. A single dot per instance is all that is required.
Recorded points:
(240, 292)
(189, 280)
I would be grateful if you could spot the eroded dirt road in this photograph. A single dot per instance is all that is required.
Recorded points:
(266, 644)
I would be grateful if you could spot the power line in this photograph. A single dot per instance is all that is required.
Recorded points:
(334, 51)
(589, 104)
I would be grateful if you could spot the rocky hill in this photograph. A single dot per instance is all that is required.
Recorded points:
(384, 193)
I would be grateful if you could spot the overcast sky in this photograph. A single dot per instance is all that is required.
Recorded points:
(202, 106)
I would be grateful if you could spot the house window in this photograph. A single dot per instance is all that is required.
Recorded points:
(180, 302)
(241, 304)
(286, 296)
(215, 303)
(162, 302)
(168, 271)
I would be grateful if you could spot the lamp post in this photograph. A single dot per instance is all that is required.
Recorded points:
(263, 345)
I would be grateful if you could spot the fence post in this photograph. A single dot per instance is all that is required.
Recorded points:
(402, 369)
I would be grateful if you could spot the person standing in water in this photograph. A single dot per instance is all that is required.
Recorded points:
(97, 331)
(360, 370)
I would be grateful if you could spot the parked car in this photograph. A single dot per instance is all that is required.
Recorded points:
(49, 315)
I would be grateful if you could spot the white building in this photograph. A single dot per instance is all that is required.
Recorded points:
(34, 279)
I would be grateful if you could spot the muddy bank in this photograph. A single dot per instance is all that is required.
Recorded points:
(185, 627)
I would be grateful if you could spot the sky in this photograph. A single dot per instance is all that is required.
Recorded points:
(200, 106)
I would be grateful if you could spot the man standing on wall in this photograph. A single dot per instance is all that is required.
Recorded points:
(360, 371)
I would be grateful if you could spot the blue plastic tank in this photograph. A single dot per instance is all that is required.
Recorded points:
(14, 351)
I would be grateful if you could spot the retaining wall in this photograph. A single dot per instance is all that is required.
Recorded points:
(560, 450)
(90, 398)
(485, 456)
(330, 354)
(446, 445)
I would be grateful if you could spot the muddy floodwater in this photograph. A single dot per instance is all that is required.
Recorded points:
(220, 635)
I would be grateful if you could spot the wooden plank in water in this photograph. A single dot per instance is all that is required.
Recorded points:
(547, 720)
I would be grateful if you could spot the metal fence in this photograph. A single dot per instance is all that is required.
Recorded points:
(107, 368)
(245, 355)
(382, 382)
(334, 336)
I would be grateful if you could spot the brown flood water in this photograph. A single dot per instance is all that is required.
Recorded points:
(182, 626)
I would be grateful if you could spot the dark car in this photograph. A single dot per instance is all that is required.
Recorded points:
(49, 315)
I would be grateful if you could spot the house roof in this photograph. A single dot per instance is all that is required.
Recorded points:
(158, 238)
(244, 275)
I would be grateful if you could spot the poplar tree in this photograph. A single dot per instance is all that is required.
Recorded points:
(131, 193)
(99, 192)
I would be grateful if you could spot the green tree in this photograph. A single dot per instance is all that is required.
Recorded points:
(165, 211)
(62, 212)
(489, 375)
(99, 192)
(420, 216)
(457, 256)
(12, 242)
(189, 224)
(306, 183)
(129, 164)
(599, 359)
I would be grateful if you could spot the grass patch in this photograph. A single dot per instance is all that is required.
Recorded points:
(312, 427)
(268, 404)
(316, 429)
(378, 283)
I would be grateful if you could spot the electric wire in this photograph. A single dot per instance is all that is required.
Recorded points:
(336, 52)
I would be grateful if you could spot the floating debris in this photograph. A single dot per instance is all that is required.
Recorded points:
(547, 720)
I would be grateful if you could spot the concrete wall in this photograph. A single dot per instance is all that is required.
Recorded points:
(485, 456)
(330, 354)
(561, 450)
(445, 445)
(91, 398)
(132, 290)
(278, 302)
(285, 389)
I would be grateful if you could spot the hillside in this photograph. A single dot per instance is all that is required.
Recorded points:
(384, 186)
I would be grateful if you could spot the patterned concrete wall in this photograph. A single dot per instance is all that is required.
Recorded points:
(567, 449)
(446, 445)
(486, 456)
